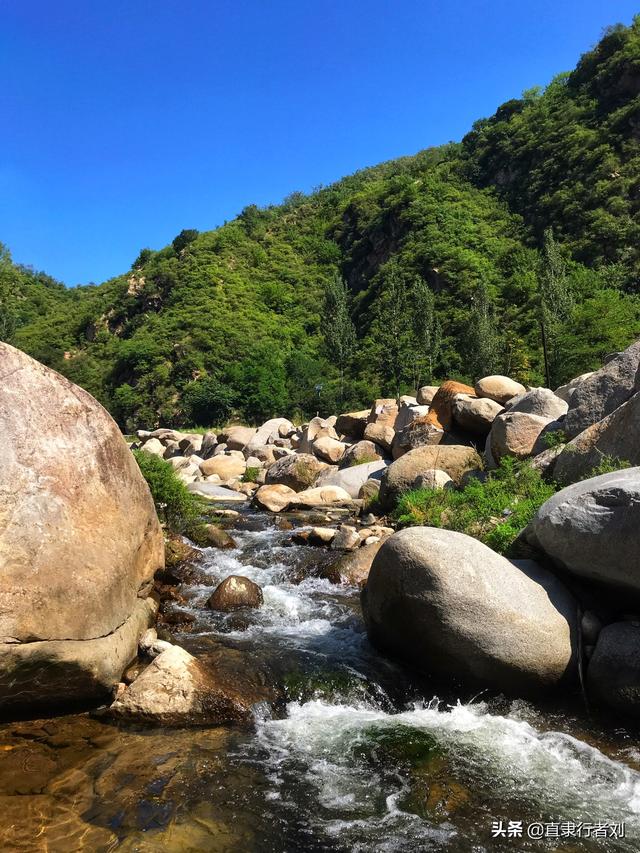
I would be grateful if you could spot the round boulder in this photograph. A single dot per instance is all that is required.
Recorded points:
(399, 477)
(515, 434)
(234, 593)
(274, 498)
(79, 540)
(539, 401)
(592, 529)
(451, 606)
(498, 388)
(299, 471)
(475, 414)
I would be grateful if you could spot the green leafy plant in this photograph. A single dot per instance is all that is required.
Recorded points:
(493, 511)
(250, 475)
(607, 465)
(176, 506)
(555, 438)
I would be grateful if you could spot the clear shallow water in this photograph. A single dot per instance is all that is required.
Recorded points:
(355, 759)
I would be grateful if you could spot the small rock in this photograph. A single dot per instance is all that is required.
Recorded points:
(234, 593)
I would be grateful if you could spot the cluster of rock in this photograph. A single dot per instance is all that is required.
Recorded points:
(454, 608)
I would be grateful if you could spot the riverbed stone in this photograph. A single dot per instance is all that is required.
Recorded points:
(604, 391)
(225, 466)
(329, 449)
(426, 394)
(353, 568)
(320, 496)
(299, 471)
(361, 452)
(380, 434)
(177, 689)
(451, 606)
(441, 407)
(613, 674)
(433, 479)
(400, 476)
(352, 479)
(592, 529)
(216, 493)
(79, 539)
(234, 593)
(352, 423)
(274, 497)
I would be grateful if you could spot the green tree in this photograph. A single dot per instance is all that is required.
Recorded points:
(8, 285)
(339, 331)
(186, 236)
(427, 333)
(484, 344)
(207, 402)
(556, 303)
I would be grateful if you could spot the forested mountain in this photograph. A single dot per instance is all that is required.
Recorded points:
(449, 263)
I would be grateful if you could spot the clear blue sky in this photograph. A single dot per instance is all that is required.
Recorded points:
(125, 121)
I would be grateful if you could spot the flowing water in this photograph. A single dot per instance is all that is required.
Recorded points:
(358, 756)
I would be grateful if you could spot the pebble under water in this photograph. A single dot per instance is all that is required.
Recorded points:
(358, 756)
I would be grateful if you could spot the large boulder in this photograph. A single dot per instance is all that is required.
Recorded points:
(299, 471)
(420, 433)
(177, 689)
(498, 388)
(613, 675)
(384, 412)
(268, 433)
(592, 529)
(441, 407)
(381, 434)
(475, 414)
(225, 467)
(451, 606)
(235, 592)
(329, 449)
(426, 394)
(408, 413)
(539, 401)
(238, 437)
(515, 434)
(602, 392)
(401, 475)
(275, 497)
(320, 496)
(316, 428)
(359, 453)
(615, 436)
(352, 479)
(352, 423)
(565, 392)
(79, 540)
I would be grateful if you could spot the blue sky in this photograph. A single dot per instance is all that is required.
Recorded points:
(125, 122)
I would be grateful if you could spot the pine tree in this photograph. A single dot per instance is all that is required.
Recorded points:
(484, 349)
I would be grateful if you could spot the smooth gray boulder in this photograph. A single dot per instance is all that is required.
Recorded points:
(592, 529)
(615, 437)
(603, 391)
(565, 392)
(540, 401)
(451, 606)
(216, 494)
(352, 479)
(613, 675)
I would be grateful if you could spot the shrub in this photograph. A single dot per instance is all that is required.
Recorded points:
(607, 465)
(494, 511)
(555, 438)
(175, 504)
(250, 475)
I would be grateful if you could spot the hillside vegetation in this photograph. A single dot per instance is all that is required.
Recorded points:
(449, 263)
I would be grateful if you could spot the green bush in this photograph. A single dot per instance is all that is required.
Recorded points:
(494, 511)
(607, 465)
(176, 506)
(250, 475)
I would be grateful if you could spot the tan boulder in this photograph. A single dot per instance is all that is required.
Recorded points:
(475, 414)
(225, 467)
(79, 538)
(320, 496)
(316, 428)
(400, 476)
(498, 388)
(353, 568)
(329, 449)
(381, 434)
(515, 434)
(238, 437)
(352, 423)
(441, 407)
(384, 412)
(360, 453)
(275, 497)
(426, 394)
